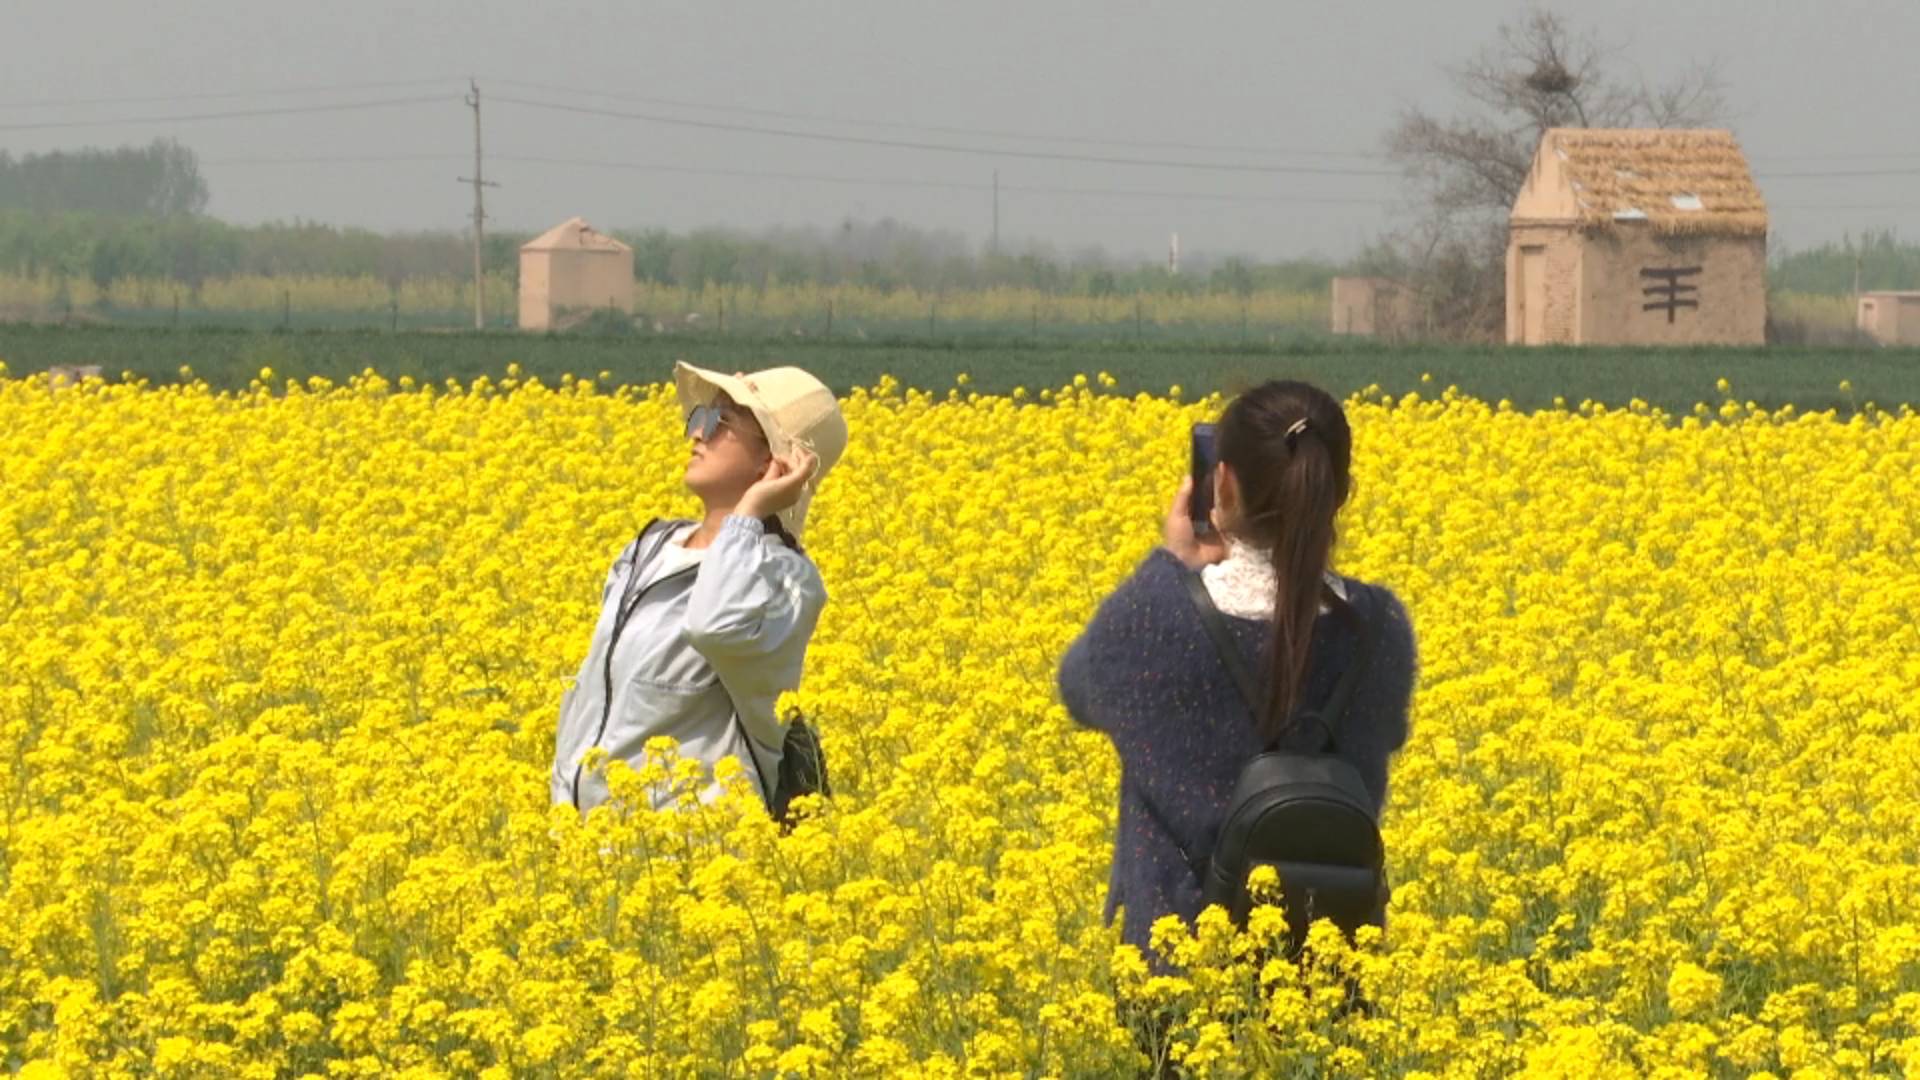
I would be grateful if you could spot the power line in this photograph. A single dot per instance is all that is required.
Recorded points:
(1837, 173)
(1024, 136)
(901, 182)
(1844, 206)
(816, 118)
(286, 110)
(746, 174)
(817, 178)
(1202, 196)
(949, 185)
(367, 159)
(904, 144)
(1836, 157)
(1078, 140)
(138, 99)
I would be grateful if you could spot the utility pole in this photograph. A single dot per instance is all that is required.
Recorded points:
(479, 182)
(996, 212)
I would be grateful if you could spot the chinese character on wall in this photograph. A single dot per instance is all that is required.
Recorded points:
(1667, 292)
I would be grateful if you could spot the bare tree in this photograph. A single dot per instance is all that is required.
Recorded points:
(1465, 170)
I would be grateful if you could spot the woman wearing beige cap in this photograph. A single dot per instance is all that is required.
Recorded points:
(704, 623)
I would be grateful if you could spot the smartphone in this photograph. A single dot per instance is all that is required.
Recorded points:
(1200, 503)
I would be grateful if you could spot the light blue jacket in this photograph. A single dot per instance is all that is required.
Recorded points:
(694, 647)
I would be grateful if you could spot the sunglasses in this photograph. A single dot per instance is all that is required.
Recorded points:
(705, 421)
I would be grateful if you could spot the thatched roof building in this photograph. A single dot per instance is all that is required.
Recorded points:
(1637, 236)
(1678, 182)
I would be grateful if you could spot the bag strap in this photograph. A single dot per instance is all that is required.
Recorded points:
(1336, 710)
(1216, 625)
(642, 556)
(1236, 664)
(753, 755)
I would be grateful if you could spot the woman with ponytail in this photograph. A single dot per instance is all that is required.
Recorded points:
(1145, 673)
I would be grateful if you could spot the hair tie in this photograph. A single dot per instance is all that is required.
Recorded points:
(1293, 433)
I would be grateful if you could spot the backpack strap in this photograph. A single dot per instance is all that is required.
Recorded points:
(1336, 710)
(643, 555)
(1197, 863)
(1236, 664)
(759, 773)
(1216, 625)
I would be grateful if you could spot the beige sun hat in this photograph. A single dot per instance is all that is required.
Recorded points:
(794, 410)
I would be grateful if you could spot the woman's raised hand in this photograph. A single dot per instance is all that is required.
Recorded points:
(779, 487)
(1194, 551)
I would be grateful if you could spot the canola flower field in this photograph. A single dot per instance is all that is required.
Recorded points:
(281, 667)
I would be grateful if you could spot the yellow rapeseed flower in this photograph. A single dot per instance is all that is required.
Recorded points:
(281, 667)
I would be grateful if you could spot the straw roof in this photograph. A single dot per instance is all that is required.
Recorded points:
(574, 234)
(1677, 181)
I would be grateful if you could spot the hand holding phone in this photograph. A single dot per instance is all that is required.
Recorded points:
(1189, 533)
(1200, 501)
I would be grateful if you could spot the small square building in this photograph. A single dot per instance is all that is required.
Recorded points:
(1372, 307)
(1890, 318)
(573, 267)
(1637, 237)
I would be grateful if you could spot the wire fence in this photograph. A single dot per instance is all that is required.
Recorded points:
(798, 312)
(741, 314)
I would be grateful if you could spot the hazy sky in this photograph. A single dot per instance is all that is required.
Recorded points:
(1815, 87)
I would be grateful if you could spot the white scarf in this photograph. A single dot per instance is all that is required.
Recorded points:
(1242, 584)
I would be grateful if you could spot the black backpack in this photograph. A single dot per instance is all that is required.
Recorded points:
(803, 767)
(1307, 815)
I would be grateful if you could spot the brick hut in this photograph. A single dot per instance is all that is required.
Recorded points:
(1373, 307)
(1637, 237)
(1891, 318)
(572, 267)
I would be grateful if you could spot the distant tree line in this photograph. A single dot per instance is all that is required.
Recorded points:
(161, 179)
(885, 254)
(1880, 261)
(193, 249)
(138, 212)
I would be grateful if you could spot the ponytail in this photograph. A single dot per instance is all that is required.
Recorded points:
(779, 528)
(1308, 498)
(1290, 450)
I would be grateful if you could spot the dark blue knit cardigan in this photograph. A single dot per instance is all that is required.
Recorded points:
(1145, 672)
